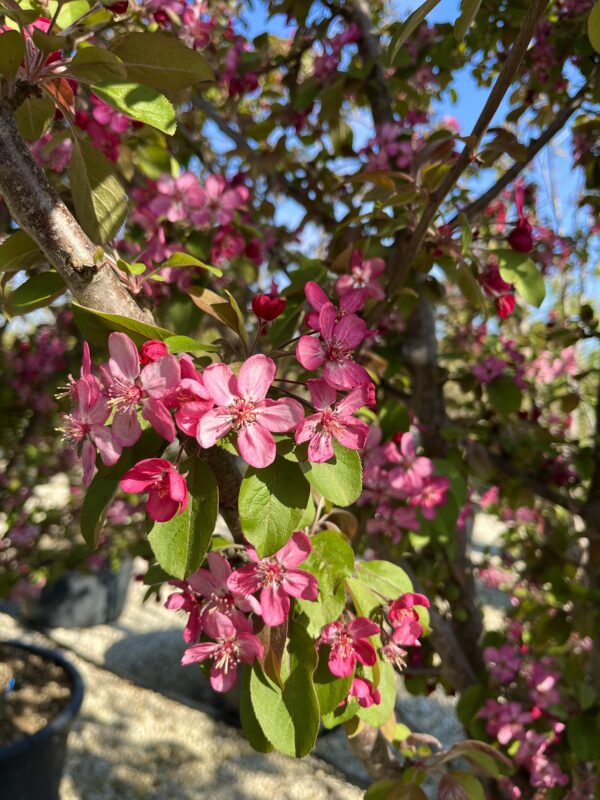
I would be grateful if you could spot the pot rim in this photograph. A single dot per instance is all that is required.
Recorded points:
(62, 720)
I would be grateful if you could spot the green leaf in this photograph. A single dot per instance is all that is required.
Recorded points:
(505, 395)
(331, 560)
(34, 116)
(47, 42)
(96, 326)
(365, 600)
(39, 291)
(594, 27)
(380, 790)
(377, 715)
(272, 502)
(139, 102)
(186, 260)
(185, 344)
(219, 308)
(472, 787)
(520, 270)
(470, 702)
(105, 484)
(408, 27)
(18, 252)
(181, 543)
(161, 61)
(12, 52)
(330, 689)
(70, 11)
(583, 737)
(99, 199)
(250, 724)
(289, 715)
(96, 64)
(338, 480)
(381, 576)
(468, 12)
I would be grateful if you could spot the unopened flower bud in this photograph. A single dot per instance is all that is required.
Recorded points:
(268, 306)
(521, 237)
(153, 350)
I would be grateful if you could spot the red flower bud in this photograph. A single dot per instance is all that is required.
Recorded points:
(118, 8)
(521, 237)
(153, 350)
(268, 306)
(505, 305)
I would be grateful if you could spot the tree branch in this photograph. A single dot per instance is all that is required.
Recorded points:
(39, 211)
(398, 267)
(476, 207)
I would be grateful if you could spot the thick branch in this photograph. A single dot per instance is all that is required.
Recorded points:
(477, 207)
(376, 84)
(398, 268)
(39, 211)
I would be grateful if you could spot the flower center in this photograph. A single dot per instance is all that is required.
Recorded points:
(243, 413)
(272, 572)
(125, 395)
(227, 656)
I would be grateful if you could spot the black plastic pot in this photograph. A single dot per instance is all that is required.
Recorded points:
(79, 600)
(32, 768)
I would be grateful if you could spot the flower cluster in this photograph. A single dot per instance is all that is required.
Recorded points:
(398, 483)
(329, 60)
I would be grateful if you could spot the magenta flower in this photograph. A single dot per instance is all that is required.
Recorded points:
(129, 388)
(277, 579)
(349, 643)
(490, 369)
(186, 601)
(412, 470)
(167, 489)
(363, 275)
(333, 349)
(219, 201)
(364, 691)
(227, 243)
(233, 645)
(405, 620)
(391, 521)
(242, 406)
(350, 303)
(503, 662)
(334, 420)
(86, 426)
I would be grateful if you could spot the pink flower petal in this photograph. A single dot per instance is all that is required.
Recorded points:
(357, 398)
(124, 359)
(126, 428)
(341, 663)
(299, 583)
(108, 447)
(345, 374)
(160, 376)
(255, 377)
(199, 652)
(220, 383)
(327, 317)
(296, 550)
(257, 446)
(213, 426)
(315, 295)
(320, 448)
(280, 415)
(157, 414)
(221, 680)
(245, 580)
(309, 352)
(321, 394)
(353, 435)
(274, 604)
(159, 508)
(351, 330)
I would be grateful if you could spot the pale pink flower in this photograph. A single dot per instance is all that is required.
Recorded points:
(543, 680)
(334, 420)
(233, 645)
(490, 497)
(503, 662)
(242, 406)
(364, 691)
(128, 388)
(412, 470)
(86, 426)
(177, 197)
(167, 489)
(490, 369)
(277, 578)
(391, 521)
(349, 643)
(363, 275)
(333, 349)
(106, 116)
(432, 495)
(220, 200)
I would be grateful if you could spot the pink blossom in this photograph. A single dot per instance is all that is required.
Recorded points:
(333, 349)
(432, 495)
(489, 370)
(153, 350)
(107, 116)
(232, 646)
(364, 691)
(277, 578)
(177, 197)
(490, 497)
(503, 662)
(219, 200)
(351, 302)
(505, 721)
(167, 489)
(268, 307)
(349, 643)
(128, 388)
(405, 620)
(86, 425)
(227, 243)
(241, 406)
(391, 521)
(363, 275)
(412, 470)
(219, 606)
(334, 420)
(196, 31)
(542, 681)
